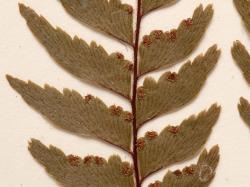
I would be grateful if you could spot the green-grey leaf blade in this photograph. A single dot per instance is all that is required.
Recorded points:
(172, 90)
(149, 5)
(88, 62)
(73, 171)
(87, 116)
(111, 17)
(159, 49)
(176, 144)
(199, 175)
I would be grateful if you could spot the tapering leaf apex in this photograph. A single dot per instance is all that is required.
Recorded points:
(88, 62)
(242, 59)
(244, 109)
(71, 170)
(87, 116)
(176, 143)
(198, 175)
(112, 17)
(173, 90)
(163, 49)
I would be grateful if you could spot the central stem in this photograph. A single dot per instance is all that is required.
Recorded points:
(133, 102)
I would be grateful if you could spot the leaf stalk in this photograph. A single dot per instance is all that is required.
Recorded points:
(134, 92)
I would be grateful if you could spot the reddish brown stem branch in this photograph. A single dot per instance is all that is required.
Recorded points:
(133, 102)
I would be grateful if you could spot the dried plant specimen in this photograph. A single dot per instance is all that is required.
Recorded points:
(112, 17)
(70, 111)
(72, 170)
(90, 116)
(179, 88)
(191, 134)
(196, 175)
(183, 40)
(242, 57)
(80, 59)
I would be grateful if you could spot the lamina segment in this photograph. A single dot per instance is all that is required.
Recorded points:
(74, 171)
(149, 5)
(87, 116)
(176, 144)
(88, 62)
(172, 90)
(112, 17)
(162, 49)
(198, 175)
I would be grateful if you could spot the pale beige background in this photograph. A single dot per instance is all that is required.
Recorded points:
(23, 57)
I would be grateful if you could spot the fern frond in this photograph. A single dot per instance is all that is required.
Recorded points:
(87, 116)
(110, 16)
(199, 175)
(149, 5)
(172, 90)
(91, 63)
(176, 144)
(73, 171)
(160, 49)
